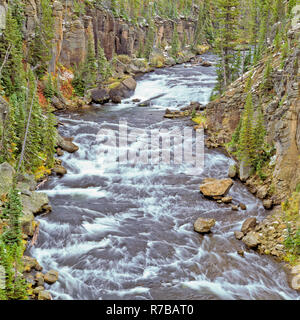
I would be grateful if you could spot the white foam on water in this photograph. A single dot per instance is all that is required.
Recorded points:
(88, 192)
(148, 240)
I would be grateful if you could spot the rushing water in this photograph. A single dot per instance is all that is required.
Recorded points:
(126, 232)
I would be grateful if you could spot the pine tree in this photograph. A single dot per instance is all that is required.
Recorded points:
(267, 83)
(246, 147)
(175, 46)
(90, 65)
(50, 137)
(259, 131)
(41, 48)
(49, 90)
(149, 40)
(13, 212)
(103, 66)
(227, 13)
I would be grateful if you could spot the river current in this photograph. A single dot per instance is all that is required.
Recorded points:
(126, 231)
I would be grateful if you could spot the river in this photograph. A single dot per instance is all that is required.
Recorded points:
(126, 231)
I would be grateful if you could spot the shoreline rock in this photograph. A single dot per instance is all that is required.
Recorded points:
(211, 187)
(204, 225)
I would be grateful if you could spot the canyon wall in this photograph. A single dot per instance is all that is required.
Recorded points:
(281, 108)
(117, 36)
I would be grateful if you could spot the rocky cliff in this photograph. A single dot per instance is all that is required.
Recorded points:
(117, 36)
(281, 109)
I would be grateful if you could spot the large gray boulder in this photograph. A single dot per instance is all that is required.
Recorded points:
(35, 203)
(100, 95)
(129, 83)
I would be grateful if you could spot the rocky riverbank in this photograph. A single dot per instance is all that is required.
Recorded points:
(278, 234)
(33, 204)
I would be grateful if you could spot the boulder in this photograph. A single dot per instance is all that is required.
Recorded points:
(39, 278)
(44, 295)
(27, 224)
(116, 99)
(59, 170)
(38, 289)
(129, 83)
(51, 276)
(248, 225)
(35, 203)
(238, 235)
(30, 264)
(241, 253)
(170, 61)
(118, 91)
(226, 199)
(262, 192)
(204, 225)
(243, 206)
(6, 177)
(66, 145)
(244, 171)
(26, 182)
(30, 279)
(251, 240)
(57, 104)
(206, 64)
(234, 208)
(268, 204)
(100, 95)
(59, 152)
(213, 187)
(295, 280)
(232, 171)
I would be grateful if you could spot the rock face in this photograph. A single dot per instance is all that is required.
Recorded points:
(211, 187)
(204, 225)
(116, 35)
(280, 110)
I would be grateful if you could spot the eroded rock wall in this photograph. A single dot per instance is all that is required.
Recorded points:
(73, 30)
(281, 108)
